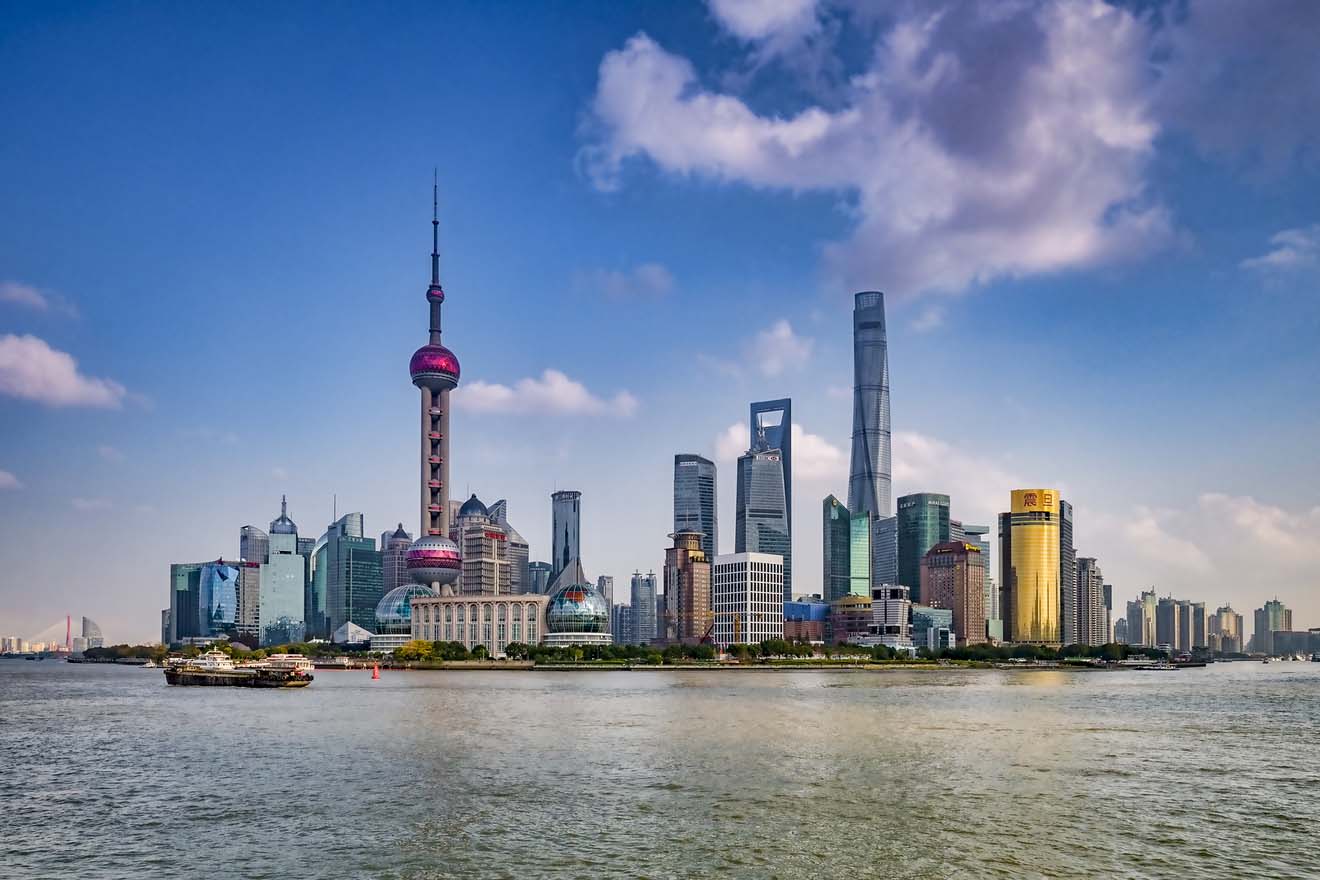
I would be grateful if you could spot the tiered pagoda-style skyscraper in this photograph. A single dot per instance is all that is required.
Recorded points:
(434, 559)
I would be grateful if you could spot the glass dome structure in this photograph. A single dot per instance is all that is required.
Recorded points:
(394, 610)
(577, 608)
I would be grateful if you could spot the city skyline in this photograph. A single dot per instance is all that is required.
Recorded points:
(294, 271)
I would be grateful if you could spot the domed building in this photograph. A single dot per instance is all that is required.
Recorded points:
(394, 616)
(577, 614)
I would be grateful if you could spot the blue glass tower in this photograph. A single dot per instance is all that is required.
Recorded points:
(870, 475)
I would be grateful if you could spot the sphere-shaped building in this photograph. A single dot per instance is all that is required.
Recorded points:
(434, 561)
(577, 614)
(435, 367)
(394, 616)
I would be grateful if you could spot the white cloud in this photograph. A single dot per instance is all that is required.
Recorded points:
(931, 318)
(109, 453)
(978, 486)
(814, 458)
(27, 296)
(30, 369)
(778, 348)
(9, 481)
(840, 392)
(776, 23)
(86, 505)
(1272, 530)
(1294, 250)
(645, 280)
(1146, 531)
(987, 142)
(279, 473)
(553, 392)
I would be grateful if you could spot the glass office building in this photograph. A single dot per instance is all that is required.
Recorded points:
(217, 599)
(762, 524)
(695, 500)
(1030, 555)
(836, 549)
(565, 530)
(923, 522)
(870, 473)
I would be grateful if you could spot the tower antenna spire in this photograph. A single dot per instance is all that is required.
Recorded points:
(435, 227)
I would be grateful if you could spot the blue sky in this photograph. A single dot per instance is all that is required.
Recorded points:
(1096, 228)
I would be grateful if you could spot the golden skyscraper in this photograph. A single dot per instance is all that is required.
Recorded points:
(1033, 545)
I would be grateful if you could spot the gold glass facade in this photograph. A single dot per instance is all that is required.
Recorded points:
(1034, 520)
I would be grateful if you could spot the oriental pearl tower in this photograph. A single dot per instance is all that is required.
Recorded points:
(433, 559)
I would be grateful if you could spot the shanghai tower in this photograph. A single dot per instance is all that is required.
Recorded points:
(870, 475)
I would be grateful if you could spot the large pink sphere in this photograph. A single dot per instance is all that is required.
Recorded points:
(434, 367)
(434, 560)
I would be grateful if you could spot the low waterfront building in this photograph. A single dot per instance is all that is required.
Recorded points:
(850, 620)
(748, 598)
(891, 616)
(932, 628)
(805, 619)
(471, 620)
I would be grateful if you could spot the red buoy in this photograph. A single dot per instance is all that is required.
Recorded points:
(375, 672)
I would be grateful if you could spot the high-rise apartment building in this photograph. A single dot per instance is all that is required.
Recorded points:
(923, 522)
(696, 507)
(1270, 618)
(687, 590)
(953, 577)
(747, 596)
(1029, 567)
(623, 625)
(1199, 626)
(1090, 626)
(643, 603)
(762, 515)
(565, 530)
(1068, 611)
(870, 468)
(1225, 631)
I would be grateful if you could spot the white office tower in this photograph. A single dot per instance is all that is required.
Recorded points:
(891, 616)
(748, 594)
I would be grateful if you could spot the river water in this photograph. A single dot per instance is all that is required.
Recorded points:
(107, 772)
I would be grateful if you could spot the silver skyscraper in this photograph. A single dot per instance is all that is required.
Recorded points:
(870, 479)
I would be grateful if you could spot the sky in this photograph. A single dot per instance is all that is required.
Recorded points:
(1097, 228)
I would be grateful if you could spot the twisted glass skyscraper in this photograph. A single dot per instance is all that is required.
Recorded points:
(870, 480)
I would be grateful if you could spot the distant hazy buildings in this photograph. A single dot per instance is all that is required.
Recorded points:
(747, 598)
(696, 505)
(1270, 618)
(953, 577)
(643, 604)
(688, 614)
(923, 522)
(1225, 631)
(1029, 567)
(870, 468)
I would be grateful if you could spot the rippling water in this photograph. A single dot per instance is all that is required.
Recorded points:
(107, 772)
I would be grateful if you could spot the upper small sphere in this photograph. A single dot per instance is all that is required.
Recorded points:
(434, 367)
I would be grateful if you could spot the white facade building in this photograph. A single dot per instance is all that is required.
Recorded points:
(748, 598)
(492, 621)
(891, 617)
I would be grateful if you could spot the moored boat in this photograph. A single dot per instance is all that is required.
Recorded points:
(214, 669)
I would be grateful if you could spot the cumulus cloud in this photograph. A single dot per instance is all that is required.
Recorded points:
(27, 296)
(1242, 79)
(978, 485)
(1147, 532)
(553, 393)
(645, 280)
(9, 481)
(777, 348)
(31, 370)
(814, 457)
(87, 505)
(1294, 250)
(931, 318)
(1272, 530)
(982, 142)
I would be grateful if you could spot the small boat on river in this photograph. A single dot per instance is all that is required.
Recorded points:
(215, 669)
